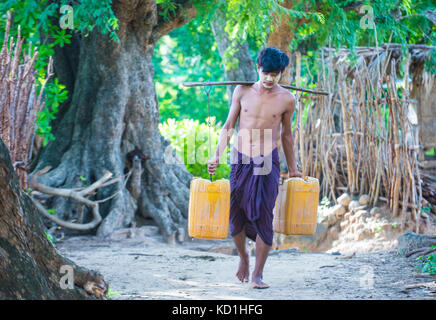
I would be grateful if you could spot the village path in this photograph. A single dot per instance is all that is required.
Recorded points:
(147, 268)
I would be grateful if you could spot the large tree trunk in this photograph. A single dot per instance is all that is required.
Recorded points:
(30, 267)
(113, 109)
(246, 68)
(282, 36)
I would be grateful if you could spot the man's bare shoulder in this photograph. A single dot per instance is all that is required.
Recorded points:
(288, 98)
(240, 90)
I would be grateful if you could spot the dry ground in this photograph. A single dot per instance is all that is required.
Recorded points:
(139, 265)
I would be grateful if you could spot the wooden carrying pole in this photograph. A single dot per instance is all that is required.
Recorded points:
(247, 83)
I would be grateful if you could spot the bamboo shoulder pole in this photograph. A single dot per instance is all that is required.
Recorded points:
(247, 83)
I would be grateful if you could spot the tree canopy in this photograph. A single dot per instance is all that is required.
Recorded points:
(190, 52)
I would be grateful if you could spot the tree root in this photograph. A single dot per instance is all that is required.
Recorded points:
(92, 282)
(79, 194)
(414, 244)
(424, 252)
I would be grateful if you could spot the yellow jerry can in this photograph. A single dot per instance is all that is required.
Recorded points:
(209, 208)
(296, 206)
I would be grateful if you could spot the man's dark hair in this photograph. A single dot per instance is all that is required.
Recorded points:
(272, 59)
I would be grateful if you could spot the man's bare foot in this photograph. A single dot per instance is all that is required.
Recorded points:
(257, 282)
(243, 272)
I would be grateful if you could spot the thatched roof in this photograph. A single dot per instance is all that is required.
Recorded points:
(419, 53)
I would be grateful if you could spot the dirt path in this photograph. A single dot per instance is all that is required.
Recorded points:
(146, 268)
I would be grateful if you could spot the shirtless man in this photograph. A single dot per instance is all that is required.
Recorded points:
(261, 108)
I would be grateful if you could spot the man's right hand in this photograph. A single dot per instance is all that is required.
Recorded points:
(212, 164)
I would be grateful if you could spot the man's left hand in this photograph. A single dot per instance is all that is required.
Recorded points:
(295, 173)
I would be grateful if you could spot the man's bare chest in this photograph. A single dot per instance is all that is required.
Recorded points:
(267, 108)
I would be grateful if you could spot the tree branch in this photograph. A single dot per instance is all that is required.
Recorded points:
(430, 15)
(184, 12)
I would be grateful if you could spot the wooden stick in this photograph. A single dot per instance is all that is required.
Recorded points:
(346, 119)
(393, 111)
(427, 164)
(409, 205)
(247, 83)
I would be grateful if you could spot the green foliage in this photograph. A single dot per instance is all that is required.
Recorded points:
(426, 209)
(49, 236)
(428, 264)
(39, 21)
(387, 16)
(323, 207)
(52, 211)
(256, 19)
(378, 229)
(190, 140)
(111, 293)
(189, 53)
(404, 22)
(431, 152)
(55, 93)
(325, 203)
(168, 8)
(62, 38)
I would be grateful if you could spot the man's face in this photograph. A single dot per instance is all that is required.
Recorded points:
(268, 79)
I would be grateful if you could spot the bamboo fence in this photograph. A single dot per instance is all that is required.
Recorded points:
(363, 138)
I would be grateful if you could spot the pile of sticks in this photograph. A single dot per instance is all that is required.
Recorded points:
(363, 138)
(19, 103)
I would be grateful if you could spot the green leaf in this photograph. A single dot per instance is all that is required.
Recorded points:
(49, 237)
(431, 152)
(425, 209)
(111, 293)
